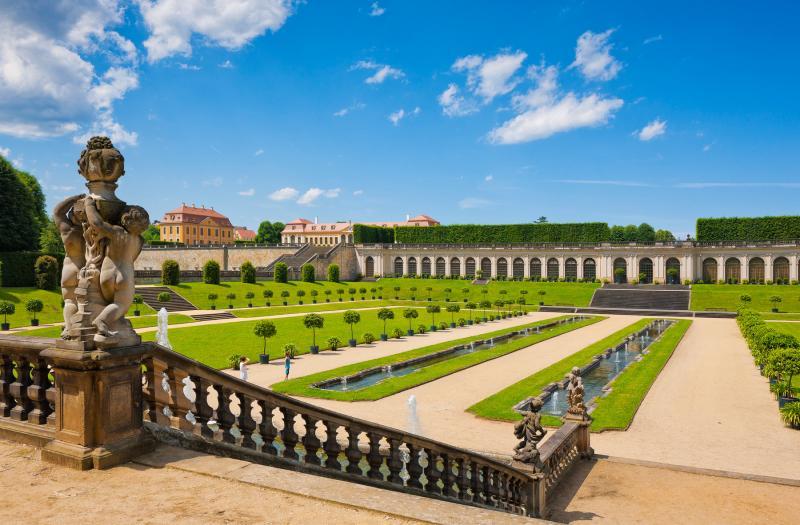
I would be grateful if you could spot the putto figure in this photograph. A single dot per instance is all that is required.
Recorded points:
(575, 392)
(530, 432)
(70, 226)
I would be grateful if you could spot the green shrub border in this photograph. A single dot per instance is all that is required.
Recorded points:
(589, 232)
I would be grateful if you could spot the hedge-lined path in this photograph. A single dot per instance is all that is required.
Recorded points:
(265, 375)
(442, 404)
(710, 408)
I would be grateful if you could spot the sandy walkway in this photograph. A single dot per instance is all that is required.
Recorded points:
(710, 408)
(441, 404)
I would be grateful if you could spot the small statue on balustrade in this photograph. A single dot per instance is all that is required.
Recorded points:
(575, 393)
(530, 432)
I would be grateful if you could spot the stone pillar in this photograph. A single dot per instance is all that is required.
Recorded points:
(580, 267)
(493, 259)
(745, 262)
(768, 268)
(463, 266)
(793, 268)
(561, 270)
(405, 265)
(98, 406)
(526, 271)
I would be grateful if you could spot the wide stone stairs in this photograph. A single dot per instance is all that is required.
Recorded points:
(296, 260)
(176, 303)
(215, 316)
(642, 297)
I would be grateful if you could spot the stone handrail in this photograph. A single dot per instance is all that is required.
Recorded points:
(587, 245)
(199, 407)
(559, 453)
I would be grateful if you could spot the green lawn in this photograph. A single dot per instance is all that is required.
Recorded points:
(306, 308)
(617, 409)
(303, 386)
(787, 328)
(728, 296)
(137, 322)
(500, 406)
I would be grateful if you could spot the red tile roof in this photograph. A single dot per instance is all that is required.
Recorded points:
(194, 215)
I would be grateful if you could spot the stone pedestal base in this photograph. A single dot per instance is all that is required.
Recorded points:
(82, 458)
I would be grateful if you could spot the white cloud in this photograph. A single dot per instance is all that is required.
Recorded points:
(284, 194)
(489, 178)
(358, 193)
(657, 38)
(491, 77)
(455, 105)
(226, 65)
(189, 67)
(349, 109)
(707, 148)
(106, 125)
(230, 24)
(593, 56)
(546, 79)
(377, 10)
(382, 71)
(652, 130)
(5, 152)
(117, 81)
(258, 152)
(312, 194)
(568, 113)
(594, 182)
(248, 193)
(396, 116)
(473, 202)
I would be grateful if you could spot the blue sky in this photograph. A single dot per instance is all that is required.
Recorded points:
(467, 111)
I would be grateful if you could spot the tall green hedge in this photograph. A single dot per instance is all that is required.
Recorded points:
(170, 273)
(588, 232)
(18, 267)
(782, 228)
(364, 234)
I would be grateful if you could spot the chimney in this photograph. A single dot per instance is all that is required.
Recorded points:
(408, 217)
(316, 220)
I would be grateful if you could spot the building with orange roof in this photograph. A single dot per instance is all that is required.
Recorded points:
(242, 233)
(192, 226)
(304, 231)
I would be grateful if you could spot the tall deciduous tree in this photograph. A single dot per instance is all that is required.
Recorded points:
(270, 232)
(21, 210)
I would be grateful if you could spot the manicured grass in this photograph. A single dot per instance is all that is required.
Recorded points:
(500, 406)
(137, 322)
(728, 296)
(307, 308)
(617, 409)
(303, 386)
(52, 312)
(772, 316)
(787, 328)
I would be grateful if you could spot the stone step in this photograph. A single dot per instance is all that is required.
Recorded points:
(177, 303)
(213, 317)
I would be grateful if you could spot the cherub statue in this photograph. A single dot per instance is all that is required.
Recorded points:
(575, 392)
(69, 221)
(530, 432)
(124, 243)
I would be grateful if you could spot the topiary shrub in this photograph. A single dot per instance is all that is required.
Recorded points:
(397, 333)
(790, 413)
(45, 271)
(211, 272)
(34, 306)
(170, 273)
(333, 273)
(247, 273)
(6, 309)
(334, 343)
(281, 273)
(164, 297)
(369, 338)
(249, 296)
(138, 300)
(307, 273)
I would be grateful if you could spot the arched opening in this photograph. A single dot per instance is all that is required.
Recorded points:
(502, 267)
(589, 270)
(412, 266)
(426, 266)
(440, 266)
(646, 270)
(552, 269)
(469, 267)
(755, 270)
(673, 272)
(292, 240)
(571, 269)
(398, 266)
(780, 270)
(455, 266)
(733, 270)
(536, 268)
(369, 267)
(620, 270)
(710, 270)
(518, 268)
(486, 267)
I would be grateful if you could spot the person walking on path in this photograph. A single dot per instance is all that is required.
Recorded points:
(243, 362)
(287, 364)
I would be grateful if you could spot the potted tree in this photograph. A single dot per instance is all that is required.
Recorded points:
(385, 314)
(249, 296)
(265, 330)
(465, 291)
(351, 317)
(453, 309)
(541, 293)
(447, 292)
(340, 293)
(300, 294)
(619, 275)
(313, 321)
(314, 295)
(784, 364)
(230, 297)
(410, 314)
(212, 298)
(433, 309)
(138, 300)
(429, 290)
(334, 343)
(470, 307)
(775, 300)
(363, 292)
(372, 291)
(6, 309)
(328, 296)
(352, 292)
(413, 291)
(396, 292)
(485, 305)
(34, 306)
(285, 295)
(291, 349)
(267, 296)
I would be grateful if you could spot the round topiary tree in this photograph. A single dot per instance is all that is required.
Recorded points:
(334, 343)
(212, 298)
(369, 338)
(170, 273)
(285, 295)
(307, 273)
(45, 271)
(470, 306)
(453, 309)
(247, 273)
(351, 317)
(385, 314)
(410, 314)
(433, 309)
(249, 296)
(314, 322)
(138, 301)
(164, 297)
(281, 273)
(230, 297)
(6, 309)
(265, 330)
(34, 306)
(267, 295)
(211, 272)
(333, 273)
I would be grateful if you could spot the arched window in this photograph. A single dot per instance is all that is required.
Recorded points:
(369, 269)
(398, 266)
(646, 270)
(412, 266)
(589, 270)
(710, 270)
(486, 267)
(455, 266)
(440, 266)
(502, 267)
(733, 270)
(552, 269)
(780, 270)
(536, 268)
(519, 268)
(469, 269)
(571, 269)
(426, 266)
(620, 270)
(673, 272)
(756, 270)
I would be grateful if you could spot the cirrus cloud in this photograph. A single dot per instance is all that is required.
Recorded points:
(653, 129)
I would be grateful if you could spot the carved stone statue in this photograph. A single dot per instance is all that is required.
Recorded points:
(530, 432)
(575, 392)
(102, 239)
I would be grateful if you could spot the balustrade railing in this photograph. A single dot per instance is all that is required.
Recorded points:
(559, 454)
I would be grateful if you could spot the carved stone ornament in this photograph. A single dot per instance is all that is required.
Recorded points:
(575, 393)
(530, 432)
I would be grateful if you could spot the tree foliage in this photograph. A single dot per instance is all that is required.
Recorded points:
(269, 232)
(333, 273)
(211, 272)
(781, 228)
(590, 232)
(281, 273)
(170, 273)
(21, 210)
(46, 272)
(247, 273)
(364, 234)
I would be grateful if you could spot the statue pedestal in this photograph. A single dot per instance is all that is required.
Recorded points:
(98, 406)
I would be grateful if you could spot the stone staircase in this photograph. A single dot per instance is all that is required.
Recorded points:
(643, 297)
(296, 260)
(213, 316)
(177, 303)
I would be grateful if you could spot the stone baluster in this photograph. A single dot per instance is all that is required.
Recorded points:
(432, 472)
(266, 429)
(179, 404)
(374, 457)
(501, 490)
(478, 495)
(19, 390)
(414, 468)
(225, 418)
(311, 442)
(487, 486)
(6, 379)
(162, 393)
(148, 395)
(246, 422)
(353, 453)
(461, 480)
(395, 461)
(447, 476)
(203, 411)
(331, 447)
(37, 393)
(288, 434)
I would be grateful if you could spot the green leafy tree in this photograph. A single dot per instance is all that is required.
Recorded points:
(410, 314)
(247, 272)
(211, 272)
(333, 273)
(170, 273)
(6, 309)
(313, 322)
(138, 300)
(285, 295)
(50, 239)
(269, 232)
(470, 306)
(334, 343)
(453, 309)
(645, 233)
(267, 295)
(664, 236)
(20, 218)
(385, 314)
(230, 297)
(745, 298)
(307, 273)
(212, 298)
(485, 305)
(352, 317)
(34, 306)
(164, 297)
(45, 271)
(152, 233)
(433, 309)
(281, 272)
(249, 296)
(264, 330)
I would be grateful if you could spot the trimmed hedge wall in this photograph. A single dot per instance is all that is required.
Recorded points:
(589, 232)
(18, 267)
(372, 234)
(783, 228)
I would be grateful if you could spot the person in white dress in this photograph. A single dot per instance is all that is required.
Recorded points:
(243, 362)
